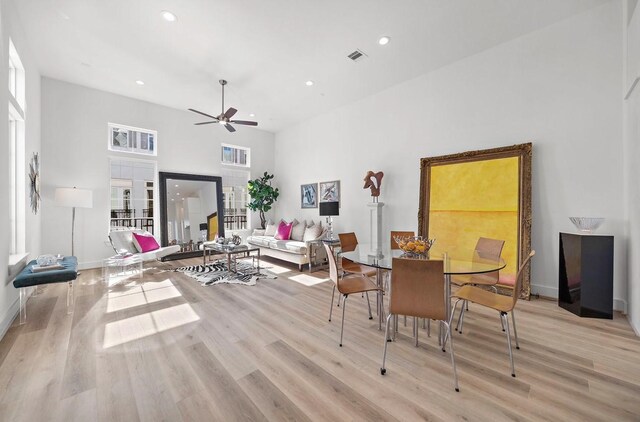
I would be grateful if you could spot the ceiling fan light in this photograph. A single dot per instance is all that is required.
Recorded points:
(384, 40)
(222, 122)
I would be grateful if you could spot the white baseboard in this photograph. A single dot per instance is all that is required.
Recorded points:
(546, 291)
(11, 314)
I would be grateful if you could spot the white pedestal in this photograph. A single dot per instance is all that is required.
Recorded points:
(375, 227)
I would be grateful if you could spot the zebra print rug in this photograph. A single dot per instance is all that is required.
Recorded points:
(217, 273)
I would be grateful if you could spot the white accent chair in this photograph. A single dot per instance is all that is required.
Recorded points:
(123, 240)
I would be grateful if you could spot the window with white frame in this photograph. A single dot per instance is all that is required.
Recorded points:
(17, 113)
(235, 197)
(132, 194)
(235, 155)
(132, 139)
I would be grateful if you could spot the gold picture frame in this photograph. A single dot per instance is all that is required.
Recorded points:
(520, 167)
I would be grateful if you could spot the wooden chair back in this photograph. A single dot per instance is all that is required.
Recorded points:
(348, 241)
(394, 244)
(492, 248)
(417, 288)
(519, 277)
(333, 266)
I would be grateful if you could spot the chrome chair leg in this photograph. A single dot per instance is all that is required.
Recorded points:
(424, 323)
(453, 312)
(504, 316)
(502, 324)
(383, 370)
(344, 305)
(333, 293)
(405, 320)
(369, 305)
(339, 299)
(515, 331)
(461, 317)
(428, 328)
(453, 359)
(416, 322)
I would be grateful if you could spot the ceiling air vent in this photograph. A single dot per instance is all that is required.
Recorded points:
(357, 55)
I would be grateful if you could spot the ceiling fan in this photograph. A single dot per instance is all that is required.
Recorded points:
(224, 117)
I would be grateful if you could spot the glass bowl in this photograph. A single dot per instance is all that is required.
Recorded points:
(414, 245)
(586, 224)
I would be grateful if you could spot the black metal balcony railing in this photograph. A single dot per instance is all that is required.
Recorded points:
(235, 222)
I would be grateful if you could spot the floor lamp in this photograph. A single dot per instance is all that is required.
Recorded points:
(329, 209)
(73, 198)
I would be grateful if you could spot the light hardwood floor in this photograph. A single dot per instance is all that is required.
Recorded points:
(165, 348)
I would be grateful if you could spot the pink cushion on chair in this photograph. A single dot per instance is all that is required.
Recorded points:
(284, 231)
(145, 243)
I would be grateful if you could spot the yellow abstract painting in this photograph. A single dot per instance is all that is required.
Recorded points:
(476, 199)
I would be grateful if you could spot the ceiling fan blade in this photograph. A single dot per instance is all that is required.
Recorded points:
(205, 123)
(204, 114)
(244, 122)
(230, 128)
(229, 113)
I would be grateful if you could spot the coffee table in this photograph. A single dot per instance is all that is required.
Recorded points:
(232, 252)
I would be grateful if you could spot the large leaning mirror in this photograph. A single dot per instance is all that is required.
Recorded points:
(485, 193)
(191, 211)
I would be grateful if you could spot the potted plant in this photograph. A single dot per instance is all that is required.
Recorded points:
(263, 195)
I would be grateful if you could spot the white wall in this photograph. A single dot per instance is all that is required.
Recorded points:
(10, 28)
(632, 152)
(558, 87)
(74, 129)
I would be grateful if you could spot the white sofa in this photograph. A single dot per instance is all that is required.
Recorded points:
(295, 251)
(123, 239)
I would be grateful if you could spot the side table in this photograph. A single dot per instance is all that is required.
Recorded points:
(121, 266)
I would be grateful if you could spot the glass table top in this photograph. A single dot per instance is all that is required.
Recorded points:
(459, 261)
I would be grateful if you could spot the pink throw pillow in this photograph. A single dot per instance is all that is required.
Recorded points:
(284, 231)
(145, 243)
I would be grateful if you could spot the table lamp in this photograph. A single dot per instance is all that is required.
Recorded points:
(329, 209)
(73, 198)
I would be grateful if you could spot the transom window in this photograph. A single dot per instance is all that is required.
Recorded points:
(235, 155)
(132, 139)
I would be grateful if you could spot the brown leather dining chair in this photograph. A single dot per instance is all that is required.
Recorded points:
(347, 285)
(485, 247)
(501, 303)
(418, 290)
(348, 243)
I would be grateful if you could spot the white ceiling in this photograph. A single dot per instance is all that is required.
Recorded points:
(267, 49)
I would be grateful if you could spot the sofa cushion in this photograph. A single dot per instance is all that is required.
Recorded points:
(289, 246)
(312, 233)
(259, 240)
(284, 231)
(271, 228)
(297, 232)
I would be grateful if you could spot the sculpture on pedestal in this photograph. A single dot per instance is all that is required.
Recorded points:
(373, 181)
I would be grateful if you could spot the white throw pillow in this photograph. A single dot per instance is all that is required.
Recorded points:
(297, 232)
(271, 229)
(311, 223)
(312, 233)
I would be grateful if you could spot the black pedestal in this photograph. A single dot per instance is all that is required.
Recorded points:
(585, 283)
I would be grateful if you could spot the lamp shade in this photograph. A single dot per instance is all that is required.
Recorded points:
(329, 208)
(74, 197)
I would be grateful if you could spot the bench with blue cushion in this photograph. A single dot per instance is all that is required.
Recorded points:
(27, 278)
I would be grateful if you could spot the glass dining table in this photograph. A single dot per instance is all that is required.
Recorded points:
(456, 262)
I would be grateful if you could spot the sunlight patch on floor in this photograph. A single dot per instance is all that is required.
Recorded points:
(140, 297)
(308, 280)
(140, 326)
(276, 269)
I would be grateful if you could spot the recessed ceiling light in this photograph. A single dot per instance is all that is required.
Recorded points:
(168, 16)
(309, 83)
(384, 40)
(178, 193)
(177, 185)
(172, 199)
(252, 115)
(139, 82)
